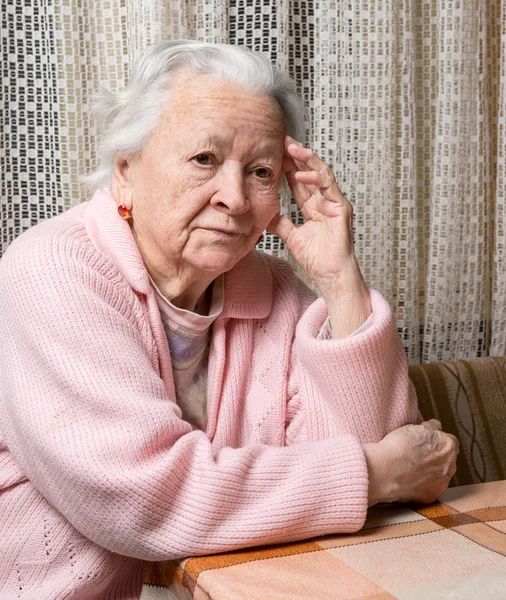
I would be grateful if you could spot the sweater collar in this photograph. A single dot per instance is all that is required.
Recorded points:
(248, 285)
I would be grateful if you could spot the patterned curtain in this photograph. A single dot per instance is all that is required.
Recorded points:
(406, 101)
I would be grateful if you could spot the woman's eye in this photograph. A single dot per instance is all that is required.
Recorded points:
(203, 159)
(262, 173)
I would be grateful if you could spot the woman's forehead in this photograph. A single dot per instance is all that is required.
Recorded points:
(198, 101)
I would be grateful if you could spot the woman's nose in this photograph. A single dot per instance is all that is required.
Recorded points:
(231, 196)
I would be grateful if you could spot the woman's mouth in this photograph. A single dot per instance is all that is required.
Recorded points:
(224, 234)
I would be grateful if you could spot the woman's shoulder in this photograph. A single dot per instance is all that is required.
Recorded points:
(46, 237)
(55, 250)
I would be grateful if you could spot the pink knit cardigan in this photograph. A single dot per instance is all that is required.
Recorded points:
(99, 473)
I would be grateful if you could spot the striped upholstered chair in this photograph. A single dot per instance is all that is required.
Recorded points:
(469, 398)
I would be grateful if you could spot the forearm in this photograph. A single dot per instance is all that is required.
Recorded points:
(348, 302)
(360, 380)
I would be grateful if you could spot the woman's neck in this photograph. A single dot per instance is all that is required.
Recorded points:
(195, 297)
(180, 283)
(189, 300)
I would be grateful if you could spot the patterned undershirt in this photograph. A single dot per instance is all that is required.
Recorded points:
(188, 334)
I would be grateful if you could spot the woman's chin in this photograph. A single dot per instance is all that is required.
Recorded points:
(218, 260)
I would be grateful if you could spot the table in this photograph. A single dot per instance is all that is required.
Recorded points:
(452, 549)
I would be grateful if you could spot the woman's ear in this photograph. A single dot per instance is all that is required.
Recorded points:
(121, 185)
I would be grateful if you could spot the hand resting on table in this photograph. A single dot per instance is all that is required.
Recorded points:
(411, 464)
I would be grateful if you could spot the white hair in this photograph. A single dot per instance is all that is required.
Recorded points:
(125, 119)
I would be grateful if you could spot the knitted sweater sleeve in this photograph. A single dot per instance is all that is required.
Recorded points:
(358, 385)
(88, 421)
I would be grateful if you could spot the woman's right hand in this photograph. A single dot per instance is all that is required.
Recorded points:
(411, 464)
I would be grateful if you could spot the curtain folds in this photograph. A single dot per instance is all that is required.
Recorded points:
(406, 100)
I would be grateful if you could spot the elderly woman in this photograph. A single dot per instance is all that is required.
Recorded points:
(168, 391)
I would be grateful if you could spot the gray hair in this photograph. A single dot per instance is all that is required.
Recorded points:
(125, 119)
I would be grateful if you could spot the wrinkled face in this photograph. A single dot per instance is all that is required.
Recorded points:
(205, 186)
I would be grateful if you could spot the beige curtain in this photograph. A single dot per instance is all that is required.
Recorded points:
(406, 101)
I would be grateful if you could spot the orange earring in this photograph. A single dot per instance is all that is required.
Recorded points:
(124, 212)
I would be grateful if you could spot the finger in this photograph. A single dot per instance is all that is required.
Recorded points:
(282, 227)
(450, 435)
(306, 160)
(320, 180)
(305, 157)
(456, 441)
(433, 424)
(298, 189)
(302, 155)
(288, 142)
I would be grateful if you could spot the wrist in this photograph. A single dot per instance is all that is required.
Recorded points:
(355, 296)
(349, 283)
(379, 463)
(348, 310)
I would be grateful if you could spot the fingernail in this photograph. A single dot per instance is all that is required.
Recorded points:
(291, 140)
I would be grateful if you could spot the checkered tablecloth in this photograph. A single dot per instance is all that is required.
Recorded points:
(453, 549)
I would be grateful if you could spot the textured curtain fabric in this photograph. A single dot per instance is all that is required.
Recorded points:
(406, 101)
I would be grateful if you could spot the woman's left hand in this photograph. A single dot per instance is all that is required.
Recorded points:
(323, 245)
